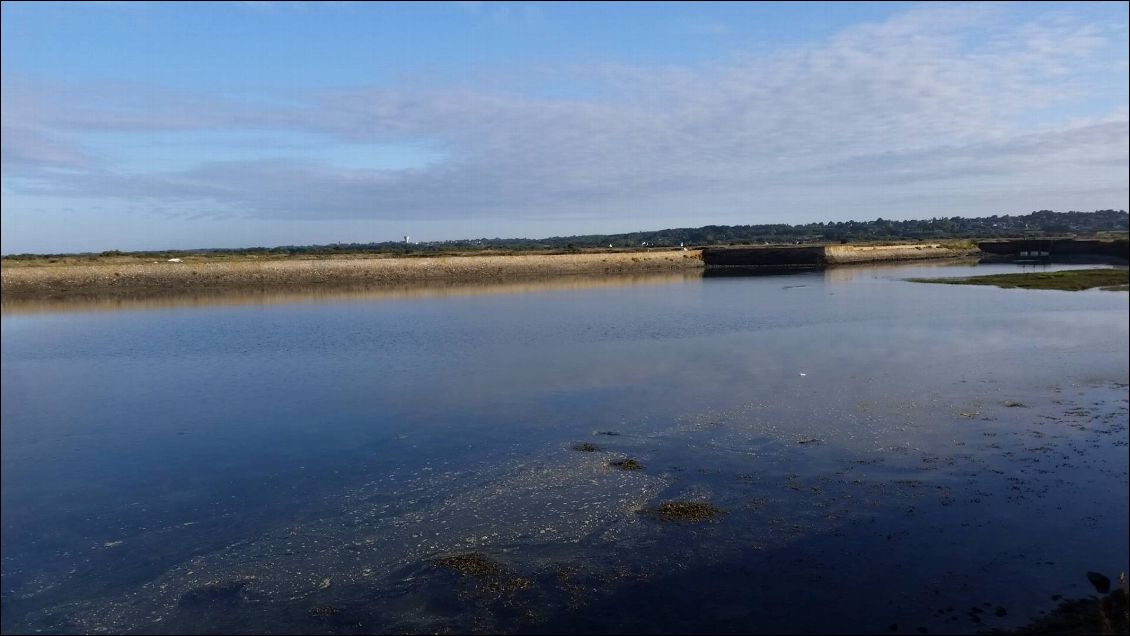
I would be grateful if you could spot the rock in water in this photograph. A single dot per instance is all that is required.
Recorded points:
(1101, 583)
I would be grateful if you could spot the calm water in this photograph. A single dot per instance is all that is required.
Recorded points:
(889, 456)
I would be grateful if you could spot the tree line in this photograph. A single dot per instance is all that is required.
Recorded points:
(1037, 224)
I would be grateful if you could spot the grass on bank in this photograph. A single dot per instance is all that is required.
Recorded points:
(1069, 280)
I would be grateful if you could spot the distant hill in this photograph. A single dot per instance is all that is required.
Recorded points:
(1041, 223)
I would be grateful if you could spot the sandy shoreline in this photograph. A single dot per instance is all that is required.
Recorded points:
(162, 278)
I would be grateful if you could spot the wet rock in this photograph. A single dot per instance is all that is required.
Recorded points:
(323, 611)
(1100, 582)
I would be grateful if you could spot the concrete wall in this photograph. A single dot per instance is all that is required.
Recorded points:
(840, 254)
(1058, 247)
(46, 281)
(754, 257)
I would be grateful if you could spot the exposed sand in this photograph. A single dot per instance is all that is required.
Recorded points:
(844, 254)
(54, 281)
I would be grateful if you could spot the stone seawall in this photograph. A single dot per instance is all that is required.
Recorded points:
(46, 281)
(1053, 247)
(764, 257)
(841, 254)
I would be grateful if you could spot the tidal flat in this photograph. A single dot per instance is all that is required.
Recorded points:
(822, 451)
(1107, 279)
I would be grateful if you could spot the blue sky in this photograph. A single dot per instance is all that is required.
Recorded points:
(167, 125)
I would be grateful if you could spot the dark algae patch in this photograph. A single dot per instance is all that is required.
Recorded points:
(586, 447)
(323, 611)
(626, 464)
(689, 511)
(490, 574)
(1068, 280)
(472, 564)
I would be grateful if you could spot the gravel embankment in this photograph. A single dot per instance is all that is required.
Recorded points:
(53, 281)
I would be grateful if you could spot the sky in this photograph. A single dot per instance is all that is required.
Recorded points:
(137, 125)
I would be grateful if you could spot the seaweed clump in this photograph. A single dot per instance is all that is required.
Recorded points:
(689, 511)
(472, 564)
(626, 464)
(323, 611)
(492, 575)
(586, 447)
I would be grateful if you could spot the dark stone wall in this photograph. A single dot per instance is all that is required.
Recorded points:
(764, 257)
(1058, 247)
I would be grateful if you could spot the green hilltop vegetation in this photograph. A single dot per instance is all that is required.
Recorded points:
(1044, 223)
(1108, 279)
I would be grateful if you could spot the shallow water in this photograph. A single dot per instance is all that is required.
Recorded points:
(887, 454)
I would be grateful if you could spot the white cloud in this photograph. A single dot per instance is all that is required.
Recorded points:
(939, 101)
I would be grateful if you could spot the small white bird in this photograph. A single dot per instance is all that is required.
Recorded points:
(803, 374)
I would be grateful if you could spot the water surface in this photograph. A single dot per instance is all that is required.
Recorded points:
(888, 454)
